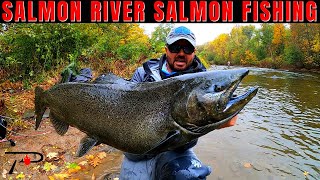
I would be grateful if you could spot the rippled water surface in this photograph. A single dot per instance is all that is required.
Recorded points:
(277, 135)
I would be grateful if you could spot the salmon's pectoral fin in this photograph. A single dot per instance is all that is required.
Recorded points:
(60, 126)
(172, 138)
(40, 105)
(86, 144)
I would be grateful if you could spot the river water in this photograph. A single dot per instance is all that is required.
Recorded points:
(277, 135)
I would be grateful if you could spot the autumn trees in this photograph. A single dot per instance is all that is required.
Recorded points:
(272, 45)
(305, 38)
(28, 50)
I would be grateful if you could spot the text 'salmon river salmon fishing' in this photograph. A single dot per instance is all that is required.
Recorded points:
(144, 118)
(145, 11)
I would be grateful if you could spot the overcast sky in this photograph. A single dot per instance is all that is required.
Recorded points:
(204, 32)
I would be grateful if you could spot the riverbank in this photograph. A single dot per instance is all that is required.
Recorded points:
(294, 69)
(304, 70)
(102, 162)
(291, 69)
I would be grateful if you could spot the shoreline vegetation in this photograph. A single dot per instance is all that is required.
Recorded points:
(29, 51)
(35, 54)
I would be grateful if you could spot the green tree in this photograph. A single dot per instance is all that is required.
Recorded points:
(304, 37)
(158, 38)
(29, 49)
(238, 44)
(217, 50)
(279, 33)
(266, 36)
(134, 44)
(124, 41)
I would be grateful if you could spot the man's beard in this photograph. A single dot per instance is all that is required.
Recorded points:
(179, 59)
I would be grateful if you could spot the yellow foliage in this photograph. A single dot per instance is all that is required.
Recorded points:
(122, 42)
(20, 176)
(249, 59)
(135, 34)
(49, 166)
(95, 162)
(219, 46)
(61, 176)
(278, 34)
(89, 157)
(316, 44)
(102, 155)
(204, 62)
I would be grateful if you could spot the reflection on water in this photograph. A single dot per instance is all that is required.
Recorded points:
(277, 133)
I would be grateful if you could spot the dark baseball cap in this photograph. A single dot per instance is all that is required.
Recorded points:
(181, 32)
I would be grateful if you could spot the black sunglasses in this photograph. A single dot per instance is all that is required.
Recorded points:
(173, 48)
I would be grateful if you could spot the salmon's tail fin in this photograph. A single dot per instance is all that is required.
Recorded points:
(40, 105)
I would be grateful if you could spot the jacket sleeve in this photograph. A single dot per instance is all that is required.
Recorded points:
(138, 75)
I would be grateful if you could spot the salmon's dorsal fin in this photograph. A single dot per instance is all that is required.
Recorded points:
(86, 144)
(109, 78)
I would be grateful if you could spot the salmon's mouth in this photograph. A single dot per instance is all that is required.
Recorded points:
(234, 106)
(222, 106)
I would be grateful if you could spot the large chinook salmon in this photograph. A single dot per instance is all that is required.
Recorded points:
(144, 118)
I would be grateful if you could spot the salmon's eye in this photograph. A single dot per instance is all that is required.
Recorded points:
(218, 88)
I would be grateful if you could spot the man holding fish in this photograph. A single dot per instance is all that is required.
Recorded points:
(180, 163)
